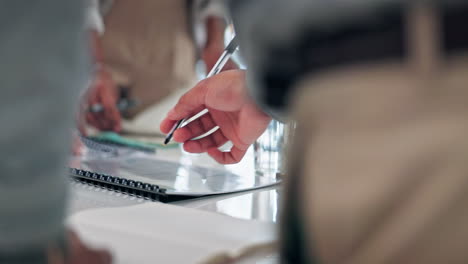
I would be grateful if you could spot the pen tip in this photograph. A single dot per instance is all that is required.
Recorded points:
(166, 140)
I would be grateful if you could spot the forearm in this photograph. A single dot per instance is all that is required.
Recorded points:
(43, 60)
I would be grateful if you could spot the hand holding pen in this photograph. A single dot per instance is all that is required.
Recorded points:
(100, 104)
(229, 108)
(223, 59)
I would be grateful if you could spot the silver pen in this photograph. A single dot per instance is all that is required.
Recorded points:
(223, 59)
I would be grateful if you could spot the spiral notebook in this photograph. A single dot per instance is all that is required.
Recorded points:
(147, 176)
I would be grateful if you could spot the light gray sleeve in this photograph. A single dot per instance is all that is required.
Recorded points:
(267, 28)
(43, 60)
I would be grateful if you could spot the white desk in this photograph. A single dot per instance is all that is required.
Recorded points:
(261, 204)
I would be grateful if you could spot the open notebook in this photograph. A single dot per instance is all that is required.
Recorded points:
(161, 233)
(145, 175)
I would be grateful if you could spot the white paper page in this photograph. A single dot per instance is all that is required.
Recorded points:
(161, 233)
(86, 196)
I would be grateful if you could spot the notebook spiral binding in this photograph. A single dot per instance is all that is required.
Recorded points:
(132, 188)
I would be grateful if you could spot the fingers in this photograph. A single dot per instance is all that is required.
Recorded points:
(91, 98)
(215, 140)
(225, 92)
(190, 131)
(92, 119)
(80, 253)
(100, 121)
(233, 156)
(190, 103)
(230, 65)
(111, 118)
(225, 96)
(167, 124)
(195, 128)
(103, 92)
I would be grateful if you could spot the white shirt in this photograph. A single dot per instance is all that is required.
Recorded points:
(94, 20)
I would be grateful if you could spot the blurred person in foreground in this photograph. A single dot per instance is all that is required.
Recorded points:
(146, 53)
(44, 60)
(378, 171)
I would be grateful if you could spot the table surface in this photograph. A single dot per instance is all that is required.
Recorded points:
(261, 204)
